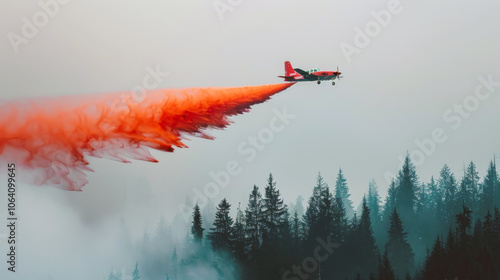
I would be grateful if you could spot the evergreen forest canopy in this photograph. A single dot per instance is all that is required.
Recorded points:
(442, 229)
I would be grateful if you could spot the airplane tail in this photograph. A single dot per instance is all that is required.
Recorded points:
(290, 73)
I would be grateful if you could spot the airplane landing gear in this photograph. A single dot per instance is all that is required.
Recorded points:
(319, 82)
(333, 83)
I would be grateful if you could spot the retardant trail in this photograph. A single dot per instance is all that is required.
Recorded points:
(49, 139)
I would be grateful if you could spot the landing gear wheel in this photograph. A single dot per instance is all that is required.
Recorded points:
(319, 82)
(333, 83)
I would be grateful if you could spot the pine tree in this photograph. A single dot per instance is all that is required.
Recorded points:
(196, 228)
(448, 184)
(220, 235)
(407, 182)
(342, 191)
(374, 202)
(312, 215)
(340, 221)
(468, 192)
(363, 243)
(296, 229)
(435, 203)
(435, 267)
(135, 274)
(398, 249)
(385, 270)
(464, 221)
(491, 189)
(472, 181)
(326, 210)
(273, 211)
(488, 228)
(253, 222)
(422, 203)
(239, 238)
(390, 201)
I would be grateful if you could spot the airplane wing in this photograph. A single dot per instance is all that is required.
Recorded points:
(301, 72)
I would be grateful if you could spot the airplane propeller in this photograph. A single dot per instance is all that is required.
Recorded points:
(338, 77)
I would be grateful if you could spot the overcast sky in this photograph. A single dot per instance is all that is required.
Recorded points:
(400, 86)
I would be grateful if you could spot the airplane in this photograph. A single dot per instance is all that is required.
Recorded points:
(314, 74)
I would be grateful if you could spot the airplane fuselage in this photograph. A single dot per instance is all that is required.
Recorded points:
(299, 75)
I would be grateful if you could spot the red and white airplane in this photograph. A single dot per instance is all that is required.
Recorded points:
(299, 75)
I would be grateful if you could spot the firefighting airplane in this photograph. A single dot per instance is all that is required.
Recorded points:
(299, 75)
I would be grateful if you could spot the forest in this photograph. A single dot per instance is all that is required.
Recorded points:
(446, 228)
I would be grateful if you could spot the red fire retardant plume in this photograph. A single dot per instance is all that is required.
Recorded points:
(49, 139)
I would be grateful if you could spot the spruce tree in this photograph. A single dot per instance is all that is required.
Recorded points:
(253, 222)
(196, 228)
(434, 267)
(363, 243)
(398, 249)
(296, 229)
(239, 238)
(472, 181)
(273, 211)
(464, 222)
(407, 183)
(390, 201)
(312, 215)
(491, 189)
(342, 191)
(340, 221)
(385, 270)
(448, 184)
(326, 209)
(220, 235)
(374, 203)
(135, 273)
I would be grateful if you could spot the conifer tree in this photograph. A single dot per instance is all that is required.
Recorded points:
(398, 249)
(342, 191)
(390, 201)
(491, 189)
(253, 222)
(407, 183)
(296, 229)
(326, 209)
(220, 235)
(464, 221)
(239, 238)
(434, 267)
(363, 243)
(196, 228)
(469, 191)
(312, 215)
(448, 184)
(374, 203)
(385, 270)
(135, 273)
(340, 221)
(273, 211)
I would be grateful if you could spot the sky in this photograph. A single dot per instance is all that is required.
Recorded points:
(419, 77)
